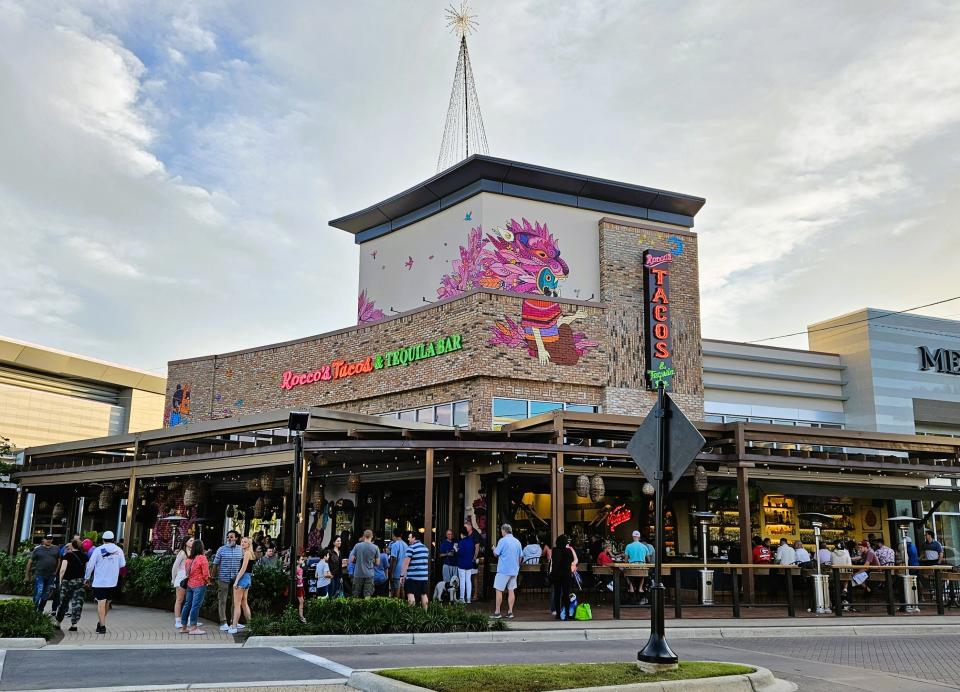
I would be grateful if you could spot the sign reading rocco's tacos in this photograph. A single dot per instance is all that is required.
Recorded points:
(656, 269)
(340, 369)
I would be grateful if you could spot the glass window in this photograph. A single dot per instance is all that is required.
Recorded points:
(425, 415)
(461, 414)
(445, 414)
(712, 418)
(408, 415)
(510, 408)
(538, 407)
(581, 408)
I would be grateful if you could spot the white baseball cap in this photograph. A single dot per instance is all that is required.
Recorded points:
(636, 534)
(108, 535)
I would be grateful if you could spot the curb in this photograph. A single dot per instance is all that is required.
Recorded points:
(760, 680)
(561, 635)
(23, 643)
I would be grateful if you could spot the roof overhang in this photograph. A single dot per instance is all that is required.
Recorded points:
(480, 173)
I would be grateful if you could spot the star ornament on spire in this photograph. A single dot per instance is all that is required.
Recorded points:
(460, 21)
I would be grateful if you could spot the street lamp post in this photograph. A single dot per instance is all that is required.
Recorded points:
(821, 582)
(296, 423)
(706, 575)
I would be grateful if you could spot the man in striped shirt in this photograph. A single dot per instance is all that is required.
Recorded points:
(416, 571)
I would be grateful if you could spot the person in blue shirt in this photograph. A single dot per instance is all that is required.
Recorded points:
(380, 571)
(397, 551)
(509, 554)
(636, 552)
(415, 571)
(448, 557)
(467, 548)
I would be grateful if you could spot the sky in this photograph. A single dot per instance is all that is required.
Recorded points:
(168, 169)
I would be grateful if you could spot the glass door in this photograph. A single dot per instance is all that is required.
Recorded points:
(946, 527)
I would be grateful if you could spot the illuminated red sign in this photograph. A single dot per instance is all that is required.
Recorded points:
(340, 369)
(620, 514)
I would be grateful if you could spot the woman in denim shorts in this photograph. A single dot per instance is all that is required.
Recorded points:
(241, 586)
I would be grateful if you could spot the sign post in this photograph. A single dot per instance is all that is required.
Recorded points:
(663, 448)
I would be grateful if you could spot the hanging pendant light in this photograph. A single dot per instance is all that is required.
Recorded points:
(583, 485)
(597, 488)
(316, 494)
(353, 483)
(253, 485)
(106, 497)
(700, 479)
(321, 461)
(266, 480)
(191, 494)
(648, 489)
(173, 485)
(258, 508)
(58, 510)
(93, 507)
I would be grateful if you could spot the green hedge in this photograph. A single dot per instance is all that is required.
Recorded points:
(372, 616)
(12, 571)
(19, 618)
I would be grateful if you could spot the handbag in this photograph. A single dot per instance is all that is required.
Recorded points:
(583, 612)
(188, 565)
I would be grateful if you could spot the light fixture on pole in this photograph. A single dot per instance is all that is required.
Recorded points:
(911, 596)
(821, 582)
(297, 423)
(706, 575)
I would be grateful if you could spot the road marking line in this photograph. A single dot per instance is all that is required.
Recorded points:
(3, 657)
(198, 686)
(332, 666)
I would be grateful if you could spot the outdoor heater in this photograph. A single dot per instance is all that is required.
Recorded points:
(174, 519)
(706, 575)
(910, 595)
(821, 582)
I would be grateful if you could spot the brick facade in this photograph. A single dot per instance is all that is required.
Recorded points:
(610, 376)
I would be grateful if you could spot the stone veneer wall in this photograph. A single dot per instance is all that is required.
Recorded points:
(621, 288)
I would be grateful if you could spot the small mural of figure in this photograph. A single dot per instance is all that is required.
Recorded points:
(179, 406)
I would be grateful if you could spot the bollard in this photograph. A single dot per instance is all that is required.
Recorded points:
(791, 609)
(837, 593)
(616, 594)
(891, 605)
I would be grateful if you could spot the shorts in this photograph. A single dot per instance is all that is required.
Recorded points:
(244, 582)
(395, 583)
(103, 593)
(300, 593)
(505, 582)
(415, 587)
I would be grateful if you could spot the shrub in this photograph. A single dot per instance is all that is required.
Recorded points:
(372, 616)
(269, 589)
(19, 618)
(148, 579)
(12, 572)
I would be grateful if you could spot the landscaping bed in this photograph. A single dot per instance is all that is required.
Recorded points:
(542, 677)
(19, 619)
(371, 616)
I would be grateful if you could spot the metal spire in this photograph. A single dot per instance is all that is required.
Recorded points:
(463, 132)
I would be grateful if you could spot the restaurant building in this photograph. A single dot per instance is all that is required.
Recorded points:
(513, 323)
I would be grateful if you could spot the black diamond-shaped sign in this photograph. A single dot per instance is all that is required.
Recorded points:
(684, 443)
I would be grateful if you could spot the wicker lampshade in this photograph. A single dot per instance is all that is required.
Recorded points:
(648, 489)
(173, 485)
(106, 497)
(43, 506)
(258, 508)
(353, 483)
(316, 494)
(597, 488)
(583, 485)
(58, 510)
(266, 480)
(191, 494)
(93, 507)
(253, 485)
(700, 479)
(321, 461)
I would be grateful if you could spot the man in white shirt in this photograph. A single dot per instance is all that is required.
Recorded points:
(824, 555)
(786, 555)
(803, 557)
(532, 552)
(104, 566)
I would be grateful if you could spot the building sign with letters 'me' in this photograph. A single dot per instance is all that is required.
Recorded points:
(656, 273)
(942, 360)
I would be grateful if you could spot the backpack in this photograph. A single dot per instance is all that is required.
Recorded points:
(583, 612)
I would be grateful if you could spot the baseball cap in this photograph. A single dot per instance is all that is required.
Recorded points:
(48, 537)
(108, 535)
(636, 534)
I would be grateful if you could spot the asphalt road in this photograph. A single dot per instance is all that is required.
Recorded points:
(816, 664)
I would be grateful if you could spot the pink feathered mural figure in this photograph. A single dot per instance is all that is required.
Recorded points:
(522, 258)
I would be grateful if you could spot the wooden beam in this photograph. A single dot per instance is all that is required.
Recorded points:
(743, 506)
(428, 500)
(301, 517)
(131, 507)
(16, 521)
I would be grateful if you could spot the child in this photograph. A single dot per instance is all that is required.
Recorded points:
(324, 577)
(300, 562)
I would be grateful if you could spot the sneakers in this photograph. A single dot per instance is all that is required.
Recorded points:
(241, 627)
(509, 616)
(224, 627)
(73, 628)
(101, 629)
(496, 616)
(303, 620)
(177, 624)
(232, 630)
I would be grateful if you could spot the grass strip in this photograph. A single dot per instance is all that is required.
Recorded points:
(549, 676)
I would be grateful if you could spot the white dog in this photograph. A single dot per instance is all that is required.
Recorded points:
(447, 590)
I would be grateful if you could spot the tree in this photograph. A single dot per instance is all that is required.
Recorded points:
(6, 456)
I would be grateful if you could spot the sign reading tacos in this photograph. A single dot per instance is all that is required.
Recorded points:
(340, 369)
(656, 271)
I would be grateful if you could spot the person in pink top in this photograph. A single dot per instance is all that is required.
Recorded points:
(197, 569)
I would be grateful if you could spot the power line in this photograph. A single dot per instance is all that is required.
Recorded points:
(847, 324)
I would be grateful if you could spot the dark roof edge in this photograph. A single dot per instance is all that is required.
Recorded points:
(515, 178)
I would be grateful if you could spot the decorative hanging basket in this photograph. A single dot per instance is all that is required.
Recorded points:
(648, 489)
(266, 480)
(597, 488)
(258, 508)
(353, 483)
(191, 494)
(253, 485)
(316, 494)
(93, 507)
(174, 485)
(43, 506)
(58, 510)
(700, 479)
(106, 497)
(583, 485)
(287, 485)
(321, 461)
